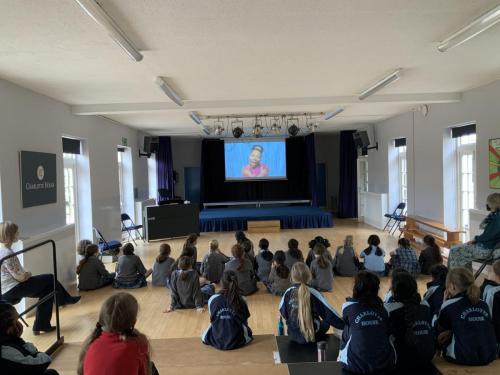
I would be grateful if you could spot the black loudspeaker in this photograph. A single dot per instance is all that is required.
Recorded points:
(361, 139)
(151, 144)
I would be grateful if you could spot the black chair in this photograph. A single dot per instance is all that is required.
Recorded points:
(392, 217)
(131, 227)
(106, 247)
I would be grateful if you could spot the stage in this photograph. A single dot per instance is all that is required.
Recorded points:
(293, 217)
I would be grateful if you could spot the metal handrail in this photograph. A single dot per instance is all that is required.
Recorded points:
(60, 339)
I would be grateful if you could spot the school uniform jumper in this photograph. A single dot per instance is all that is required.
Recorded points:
(322, 277)
(227, 330)
(323, 314)
(424, 346)
(263, 267)
(277, 285)
(212, 266)
(188, 294)
(434, 297)
(490, 293)
(93, 275)
(245, 276)
(365, 346)
(20, 357)
(473, 339)
(161, 272)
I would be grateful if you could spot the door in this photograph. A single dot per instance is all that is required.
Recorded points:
(192, 184)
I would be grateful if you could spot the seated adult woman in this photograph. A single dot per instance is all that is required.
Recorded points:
(18, 284)
(481, 246)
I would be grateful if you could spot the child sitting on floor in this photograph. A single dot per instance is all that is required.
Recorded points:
(162, 268)
(435, 290)
(212, 266)
(263, 261)
(410, 323)
(186, 291)
(228, 317)
(490, 293)
(17, 355)
(466, 333)
(130, 271)
(365, 346)
(321, 269)
(307, 314)
(115, 347)
(279, 277)
(91, 271)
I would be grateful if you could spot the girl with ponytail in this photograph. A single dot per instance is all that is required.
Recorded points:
(321, 269)
(186, 292)
(244, 270)
(229, 315)
(307, 313)
(279, 277)
(115, 346)
(466, 332)
(410, 322)
(92, 274)
(365, 346)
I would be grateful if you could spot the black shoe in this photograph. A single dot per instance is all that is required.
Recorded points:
(45, 330)
(72, 300)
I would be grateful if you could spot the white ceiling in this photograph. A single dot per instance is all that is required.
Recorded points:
(246, 56)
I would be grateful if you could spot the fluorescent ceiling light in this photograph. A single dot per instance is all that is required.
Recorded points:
(99, 15)
(330, 115)
(165, 87)
(194, 116)
(387, 80)
(476, 27)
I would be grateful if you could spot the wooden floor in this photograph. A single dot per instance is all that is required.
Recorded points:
(77, 321)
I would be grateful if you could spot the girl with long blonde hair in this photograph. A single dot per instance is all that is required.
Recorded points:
(307, 313)
(466, 332)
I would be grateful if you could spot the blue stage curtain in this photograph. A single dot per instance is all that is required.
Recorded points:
(348, 194)
(165, 169)
(311, 168)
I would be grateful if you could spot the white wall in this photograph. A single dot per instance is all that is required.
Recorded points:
(425, 150)
(33, 122)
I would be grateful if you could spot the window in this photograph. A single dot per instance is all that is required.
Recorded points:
(152, 178)
(120, 178)
(466, 169)
(400, 144)
(70, 187)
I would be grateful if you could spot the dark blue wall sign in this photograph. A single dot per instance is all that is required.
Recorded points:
(38, 178)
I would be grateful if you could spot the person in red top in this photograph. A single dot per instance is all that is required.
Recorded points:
(115, 347)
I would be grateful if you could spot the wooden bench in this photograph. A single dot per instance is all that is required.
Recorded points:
(416, 227)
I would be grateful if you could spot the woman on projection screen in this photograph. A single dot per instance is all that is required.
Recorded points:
(255, 168)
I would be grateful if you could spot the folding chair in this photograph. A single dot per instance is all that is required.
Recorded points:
(110, 247)
(401, 207)
(398, 219)
(492, 257)
(130, 228)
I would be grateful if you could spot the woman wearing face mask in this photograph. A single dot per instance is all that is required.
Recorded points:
(480, 247)
(255, 168)
(18, 284)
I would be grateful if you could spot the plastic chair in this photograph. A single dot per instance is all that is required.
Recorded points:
(108, 246)
(130, 228)
(401, 207)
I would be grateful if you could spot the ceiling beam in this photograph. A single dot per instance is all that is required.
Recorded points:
(129, 108)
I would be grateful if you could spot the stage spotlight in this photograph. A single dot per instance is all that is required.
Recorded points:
(257, 131)
(293, 130)
(237, 132)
